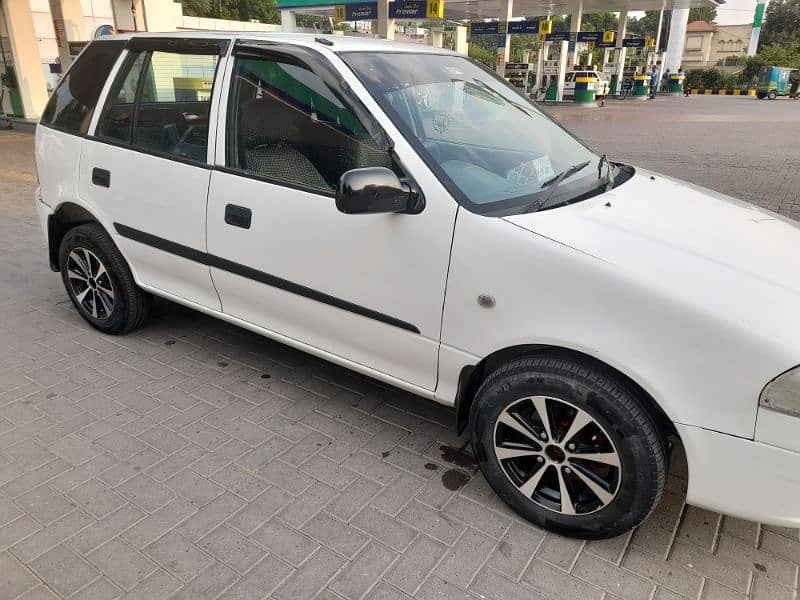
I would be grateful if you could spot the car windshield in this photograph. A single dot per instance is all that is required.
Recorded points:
(492, 148)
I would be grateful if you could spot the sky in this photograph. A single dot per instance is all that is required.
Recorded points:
(736, 12)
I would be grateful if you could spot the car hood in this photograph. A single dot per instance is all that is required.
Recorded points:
(704, 248)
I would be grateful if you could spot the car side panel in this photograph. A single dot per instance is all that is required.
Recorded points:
(58, 155)
(695, 365)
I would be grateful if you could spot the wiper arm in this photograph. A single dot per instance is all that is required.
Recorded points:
(553, 183)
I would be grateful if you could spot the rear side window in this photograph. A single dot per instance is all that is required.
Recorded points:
(117, 119)
(161, 103)
(72, 104)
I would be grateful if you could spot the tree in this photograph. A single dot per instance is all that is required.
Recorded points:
(782, 23)
(607, 21)
(482, 54)
(238, 10)
(709, 15)
(647, 26)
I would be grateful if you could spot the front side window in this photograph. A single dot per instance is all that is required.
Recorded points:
(492, 148)
(161, 103)
(286, 125)
(73, 102)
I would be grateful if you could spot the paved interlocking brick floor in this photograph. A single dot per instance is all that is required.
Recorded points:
(195, 460)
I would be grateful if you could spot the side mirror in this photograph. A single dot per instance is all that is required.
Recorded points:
(376, 190)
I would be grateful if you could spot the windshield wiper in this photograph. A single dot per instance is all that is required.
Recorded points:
(553, 183)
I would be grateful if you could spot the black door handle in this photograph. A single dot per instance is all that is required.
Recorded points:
(238, 216)
(101, 177)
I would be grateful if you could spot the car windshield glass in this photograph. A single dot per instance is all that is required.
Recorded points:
(492, 148)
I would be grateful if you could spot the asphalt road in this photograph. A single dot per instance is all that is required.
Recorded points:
(738, 145)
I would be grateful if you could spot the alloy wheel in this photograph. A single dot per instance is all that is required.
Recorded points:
(90, 283)
(557, 455)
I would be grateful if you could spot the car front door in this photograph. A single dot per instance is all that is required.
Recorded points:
(145, 169)
(364, 289)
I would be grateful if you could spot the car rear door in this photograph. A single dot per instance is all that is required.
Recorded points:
(145, 167)
(366, 289)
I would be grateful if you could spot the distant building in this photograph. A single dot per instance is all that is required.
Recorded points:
(707, 43)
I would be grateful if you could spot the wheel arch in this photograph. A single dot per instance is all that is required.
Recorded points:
(64, 218)
(471, 377)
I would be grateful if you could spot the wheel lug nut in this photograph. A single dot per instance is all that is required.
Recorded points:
(567, 470)
(570, 446)
(540, 458)
(543, 436)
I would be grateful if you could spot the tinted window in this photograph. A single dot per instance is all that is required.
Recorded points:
(172, 113)
(287, 125)
(72, 104)
(118, 115)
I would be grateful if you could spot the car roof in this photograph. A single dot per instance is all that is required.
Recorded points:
(335, 43)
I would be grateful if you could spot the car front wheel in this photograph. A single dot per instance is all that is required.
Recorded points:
(568, 446)
(99, 282)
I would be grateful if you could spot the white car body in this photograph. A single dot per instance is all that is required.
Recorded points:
(690, 294)
(601, 86)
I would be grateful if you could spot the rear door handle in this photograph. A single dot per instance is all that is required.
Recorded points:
(238, 216)
(101, 177)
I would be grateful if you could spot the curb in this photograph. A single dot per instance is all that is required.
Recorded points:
(723, 92)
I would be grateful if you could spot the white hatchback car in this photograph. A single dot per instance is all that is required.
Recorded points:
(403, 212)
(600, 86)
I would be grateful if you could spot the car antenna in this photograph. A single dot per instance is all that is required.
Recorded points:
(324, 41)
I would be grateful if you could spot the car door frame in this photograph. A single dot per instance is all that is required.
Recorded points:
(122, 236)
(342, 80)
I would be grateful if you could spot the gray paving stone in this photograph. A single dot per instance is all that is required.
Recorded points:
(413, 567)
(260, 581)
(552, 581)
(287, 543)
(63, 570)
(100, 531)
(231, 548)
(145, 493)
(15, 578)
(559, 551)
(308, 504)
(150, 528)
(158, 586)
(431, 522)
(210, 516)
(259, 510)
(336, 535)
(306, 581)
(121, 563)
(465, 558)
(193, 487)
(96, 499)
(183, 560)
(45, 504)
(355, 497)
(50, 536)
(516, 549)
(384, 528)
(611, 578)
(208, 584)
(363, 572)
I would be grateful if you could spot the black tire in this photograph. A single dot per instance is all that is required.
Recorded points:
(130, 306)
(761, 95)
(625, 419)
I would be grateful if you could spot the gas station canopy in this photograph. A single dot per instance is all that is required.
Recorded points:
(458, 10)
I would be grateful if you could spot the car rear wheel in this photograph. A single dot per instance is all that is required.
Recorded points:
(772, 95)
(99, 282)
(568, 446)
